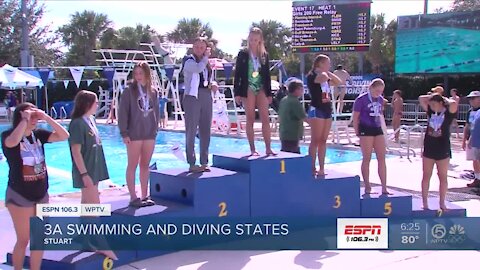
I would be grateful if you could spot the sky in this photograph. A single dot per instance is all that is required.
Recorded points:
(229, 20)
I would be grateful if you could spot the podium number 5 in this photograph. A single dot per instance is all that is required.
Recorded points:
(338, 202)
(223, 209)
(388, 208)
(282, 166)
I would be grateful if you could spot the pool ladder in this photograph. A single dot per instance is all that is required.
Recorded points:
(409, 130)
(54, 114)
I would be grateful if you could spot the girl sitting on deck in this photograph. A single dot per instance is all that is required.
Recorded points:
(436, 145)
(88, 160)
(367, 121)
(23, 147)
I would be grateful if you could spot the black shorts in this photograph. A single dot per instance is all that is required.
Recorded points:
(369, 131)
(437, 152)
(290, 146)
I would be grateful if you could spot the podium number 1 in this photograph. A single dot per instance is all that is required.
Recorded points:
(338, 202)
(223, 209)
(388, 208)
(282, 166)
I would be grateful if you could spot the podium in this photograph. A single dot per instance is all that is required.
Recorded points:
(260, 186)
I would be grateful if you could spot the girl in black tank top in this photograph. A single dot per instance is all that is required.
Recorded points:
(436, 145)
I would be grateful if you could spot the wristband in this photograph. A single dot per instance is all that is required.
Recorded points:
(84, 174)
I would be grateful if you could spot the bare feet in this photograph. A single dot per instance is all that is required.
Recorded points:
(425, 205)
(321, 173)
(368, 189)
(108, 253)
(443, 208)
(385, 192)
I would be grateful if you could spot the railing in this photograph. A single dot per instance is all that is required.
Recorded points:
(63, 113)
(53, 113)
(409, 130)
(413, 112)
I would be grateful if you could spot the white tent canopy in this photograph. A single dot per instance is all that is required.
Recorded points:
(11, 77)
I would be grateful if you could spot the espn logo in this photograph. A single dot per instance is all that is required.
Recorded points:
(363, 229)
(362, 233)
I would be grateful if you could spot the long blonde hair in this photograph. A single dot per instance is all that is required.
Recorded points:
(261, 47)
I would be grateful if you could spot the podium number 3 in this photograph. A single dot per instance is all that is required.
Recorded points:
(338, 202)
(107, 264)
(282, 166)
(388, 208)
(223, 209)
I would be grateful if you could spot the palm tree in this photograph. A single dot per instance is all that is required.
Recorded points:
(376, 54)
(82, 34)
(277, 38)
(188, 29)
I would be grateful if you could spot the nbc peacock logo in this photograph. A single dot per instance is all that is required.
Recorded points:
(456, 234)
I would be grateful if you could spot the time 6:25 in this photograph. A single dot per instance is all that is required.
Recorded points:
(411, 226)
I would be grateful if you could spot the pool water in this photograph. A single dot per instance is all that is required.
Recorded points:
(59, 162)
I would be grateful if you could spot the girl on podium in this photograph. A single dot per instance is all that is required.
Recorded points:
(23, 147)
(252, 87)
(436, 144)
(319, 80)
(367, 121)
(138, 118)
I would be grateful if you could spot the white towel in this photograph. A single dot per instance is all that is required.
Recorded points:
(194, 85)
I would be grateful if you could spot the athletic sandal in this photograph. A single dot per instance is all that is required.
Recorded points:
(147, 201)
(474, 184)
(195, 169)
(136, 203)
(206, 168)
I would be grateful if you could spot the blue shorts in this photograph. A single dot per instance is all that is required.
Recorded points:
(319, 113)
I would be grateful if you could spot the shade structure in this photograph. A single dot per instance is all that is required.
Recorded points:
(11, 77)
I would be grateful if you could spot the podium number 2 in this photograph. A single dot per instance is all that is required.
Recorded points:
(338, 202)
(107, 264)
(223, 209)
(282, 166)
(388, 208)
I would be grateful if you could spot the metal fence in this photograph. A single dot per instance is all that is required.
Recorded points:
(413, 113)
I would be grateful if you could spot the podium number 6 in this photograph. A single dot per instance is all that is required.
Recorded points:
(282, 166)
(223, 209)
(388, 208)
(338, 202)
(107, 264)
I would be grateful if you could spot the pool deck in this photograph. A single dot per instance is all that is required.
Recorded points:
(402, 173)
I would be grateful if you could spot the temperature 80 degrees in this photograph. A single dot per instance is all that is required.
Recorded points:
(409, 239)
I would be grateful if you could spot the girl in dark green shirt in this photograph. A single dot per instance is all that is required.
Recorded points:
(88, 160)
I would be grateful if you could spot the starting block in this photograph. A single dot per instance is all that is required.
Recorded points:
(378, 205)
(78, 260)
(435, 211)
(216, 193)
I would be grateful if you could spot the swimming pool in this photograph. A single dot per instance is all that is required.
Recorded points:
(59, 161)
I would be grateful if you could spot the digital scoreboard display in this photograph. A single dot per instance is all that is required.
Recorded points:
(320, 26)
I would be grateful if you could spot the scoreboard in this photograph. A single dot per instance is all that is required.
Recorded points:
(320, 26)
